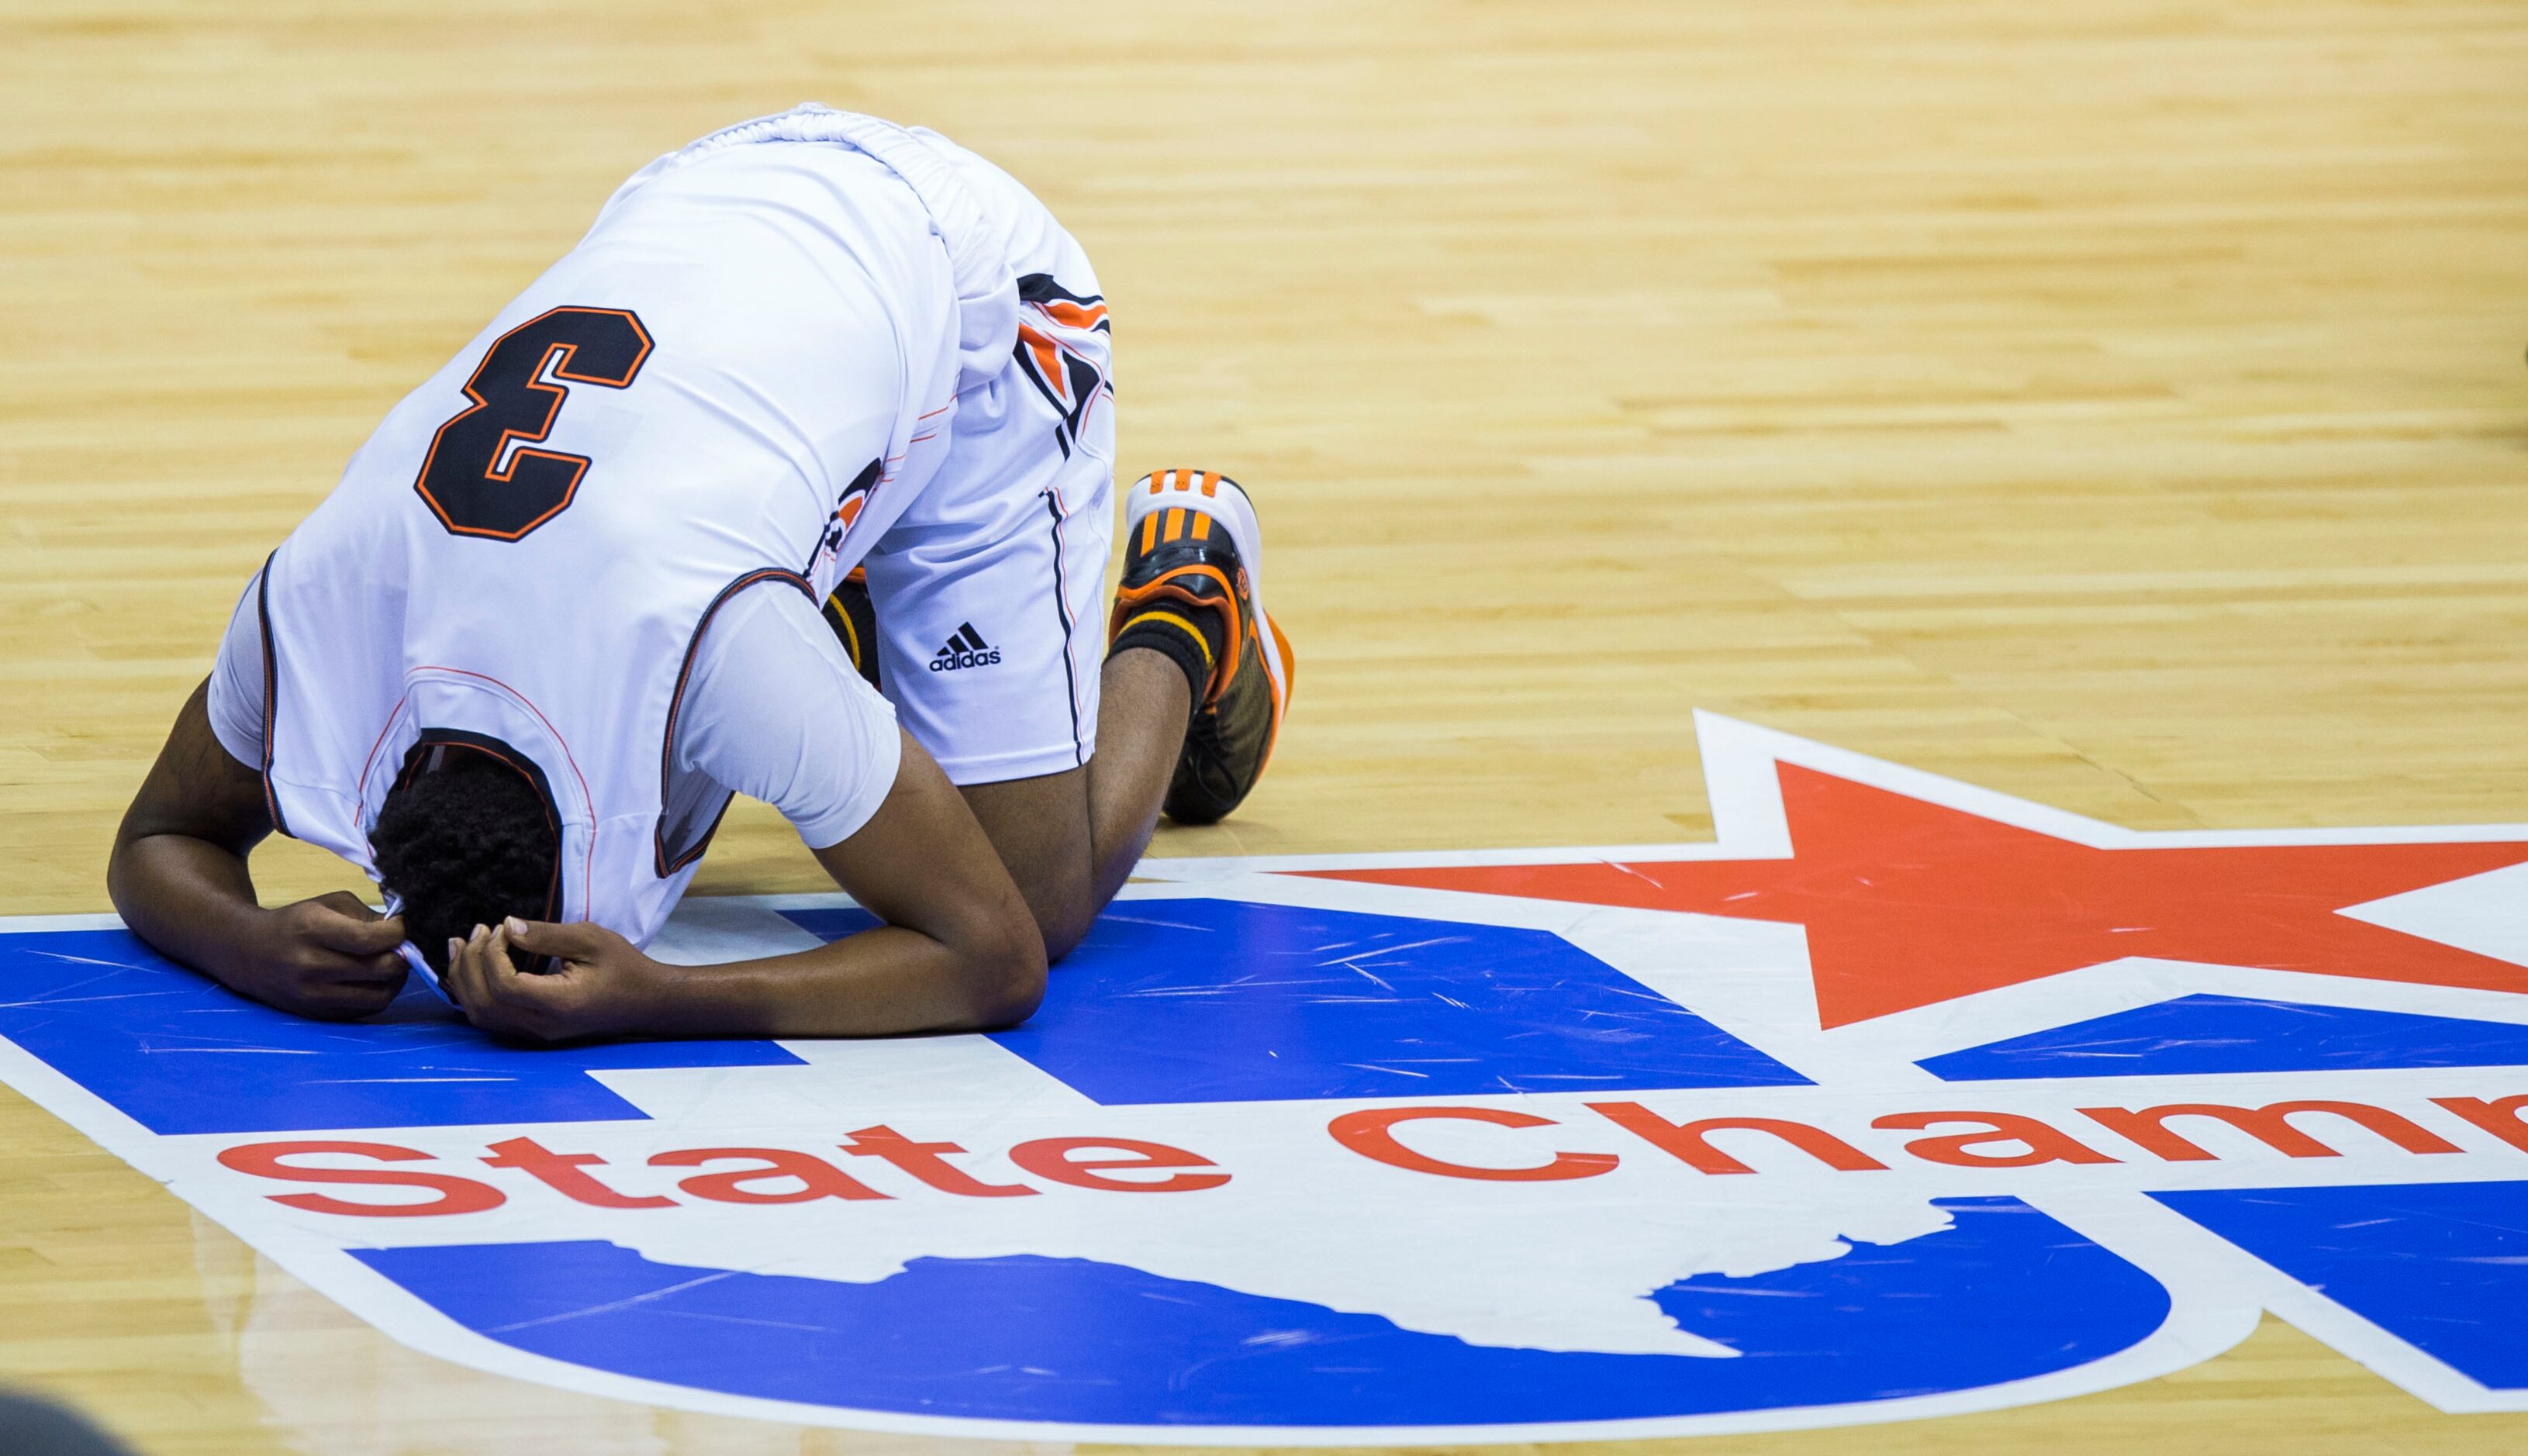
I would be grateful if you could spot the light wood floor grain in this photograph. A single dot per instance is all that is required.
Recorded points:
(2117, 405)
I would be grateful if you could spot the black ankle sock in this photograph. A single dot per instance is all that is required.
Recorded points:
(1191, 638)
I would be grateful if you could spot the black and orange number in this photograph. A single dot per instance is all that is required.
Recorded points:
(484, 476)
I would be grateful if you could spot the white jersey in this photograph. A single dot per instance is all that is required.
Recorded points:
(733, 385)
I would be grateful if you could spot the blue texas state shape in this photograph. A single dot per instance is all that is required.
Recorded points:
(1285, 1003)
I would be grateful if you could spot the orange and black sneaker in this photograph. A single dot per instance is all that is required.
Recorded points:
(1194, 589)
(854, 619)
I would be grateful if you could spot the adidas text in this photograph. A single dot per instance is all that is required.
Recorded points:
(965, 647)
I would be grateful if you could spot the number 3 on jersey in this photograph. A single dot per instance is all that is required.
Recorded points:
(484, 475)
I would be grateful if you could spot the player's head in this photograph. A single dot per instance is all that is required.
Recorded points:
(463, 840)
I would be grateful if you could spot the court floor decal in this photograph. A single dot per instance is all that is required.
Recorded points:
(1903, 1098)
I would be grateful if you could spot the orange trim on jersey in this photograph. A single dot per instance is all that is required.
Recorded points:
(1048, 358)
(369, 764)
(1074, 315)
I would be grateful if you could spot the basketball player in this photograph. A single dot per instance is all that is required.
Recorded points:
(566, 601)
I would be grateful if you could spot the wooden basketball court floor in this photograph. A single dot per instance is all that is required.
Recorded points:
(2118, 405)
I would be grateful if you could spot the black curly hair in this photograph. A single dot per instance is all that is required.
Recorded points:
(462, 840)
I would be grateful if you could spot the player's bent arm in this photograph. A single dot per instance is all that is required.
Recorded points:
(959, 950)
(178, 876)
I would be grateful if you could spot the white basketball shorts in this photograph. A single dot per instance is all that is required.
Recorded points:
(990, 589)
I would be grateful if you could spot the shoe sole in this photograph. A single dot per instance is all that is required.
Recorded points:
(1226, 501)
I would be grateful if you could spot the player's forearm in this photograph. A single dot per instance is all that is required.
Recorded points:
(192, 901)
(881, 982)
(177, 876)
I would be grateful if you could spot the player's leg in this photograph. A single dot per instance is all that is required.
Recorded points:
(1071, 839)
(983, 601)
(985, 620)
(1181, 714)
(1064, 749)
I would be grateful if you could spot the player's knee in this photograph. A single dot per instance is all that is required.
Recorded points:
(1057, 890)
(1057, 935)
(1062, 917)
(1043, 830)
(1008, 977)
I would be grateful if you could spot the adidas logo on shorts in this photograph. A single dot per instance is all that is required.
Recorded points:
(965, 649)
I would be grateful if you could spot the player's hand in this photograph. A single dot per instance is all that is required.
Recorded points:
(331, 957)
(599, 984)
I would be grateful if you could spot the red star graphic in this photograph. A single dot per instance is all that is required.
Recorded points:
(1910, 902)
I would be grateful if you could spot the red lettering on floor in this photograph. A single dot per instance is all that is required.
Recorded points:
(1051, 1158)
(560, 1172)
(817, 1178)
(928, 1161)
(2044, 1143)
(455, 1195)
(2500, 1119)
(1689, 1141)
(1367, 1134)
(2271, 1126)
